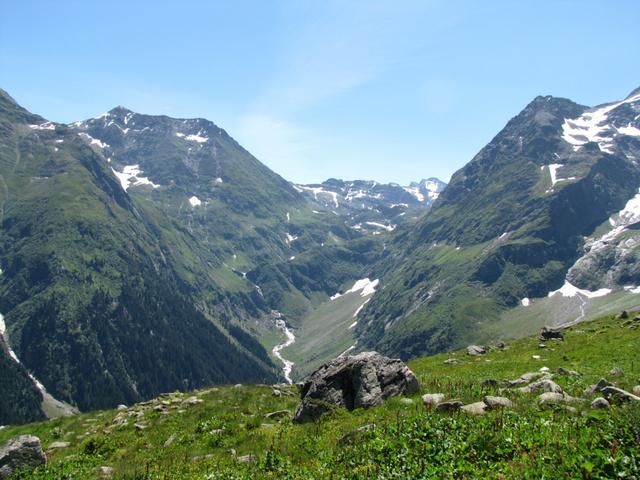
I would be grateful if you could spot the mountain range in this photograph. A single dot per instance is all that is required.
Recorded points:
(143, 254)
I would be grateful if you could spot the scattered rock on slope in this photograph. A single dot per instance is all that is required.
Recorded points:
(431, 400)
(600, 403)
(475, 350)
(358, 381)
(20, 453)
(551, 334)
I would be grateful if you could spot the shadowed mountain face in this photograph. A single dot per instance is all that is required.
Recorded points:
(510, 225)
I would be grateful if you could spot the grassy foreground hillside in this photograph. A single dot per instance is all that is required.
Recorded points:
(226, 433)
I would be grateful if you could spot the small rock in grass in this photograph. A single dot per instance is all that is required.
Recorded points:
(276, 393)
(121, 407)
(232, 451)
(406, 401)
(550, 398)
(192, 401)
(432, 399)
(615, 371)
(542, 345)
(170, 440)
(452, 361)
(636, 390)
(104, 470)
(449, 406)
(475, 350)
(278, 414)
(542, 385)
(248, 459)
(140, 426)
(600, 403)
(567, 373)
(56, 445)
(496, 402)
(477, 408)
(535, 357)
(238, 385)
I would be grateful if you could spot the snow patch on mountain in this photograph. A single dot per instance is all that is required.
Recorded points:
(415, 191)
(131, 175)
(592, 126)
(317, 191)
(198, 137)
(553, 171)
(569, 290)
(389, 228)
(365, 286)
(93, 141)
(43, 126)
(361, 307)
(291, 238)
(12, 354)
(629, 130)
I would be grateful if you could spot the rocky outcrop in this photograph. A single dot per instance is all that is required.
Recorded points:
(358, 381)
(20, 453)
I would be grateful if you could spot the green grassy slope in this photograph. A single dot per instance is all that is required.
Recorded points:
(205, 440)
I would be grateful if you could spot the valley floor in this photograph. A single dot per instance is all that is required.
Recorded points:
(244, 431)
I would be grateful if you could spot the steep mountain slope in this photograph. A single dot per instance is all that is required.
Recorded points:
(94, 299)
(373, 207)
(509, 226)
(226, 219)
(143, 253)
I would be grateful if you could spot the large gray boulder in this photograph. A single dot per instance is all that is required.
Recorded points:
(358, 381)
(20, 453)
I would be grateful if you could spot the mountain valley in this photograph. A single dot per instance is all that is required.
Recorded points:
(142, 254)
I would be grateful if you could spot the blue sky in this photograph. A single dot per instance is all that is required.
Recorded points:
(388, 90)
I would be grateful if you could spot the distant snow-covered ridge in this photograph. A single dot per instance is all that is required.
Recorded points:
(369, 206)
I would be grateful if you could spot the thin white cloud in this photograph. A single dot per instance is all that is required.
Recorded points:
(342, 47)
(274, 141)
